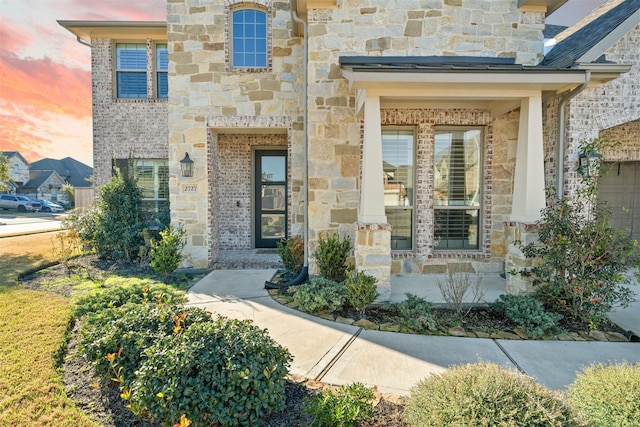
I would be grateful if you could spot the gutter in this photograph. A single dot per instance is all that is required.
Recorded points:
(562, 123)
(304, 273)
(82, 41)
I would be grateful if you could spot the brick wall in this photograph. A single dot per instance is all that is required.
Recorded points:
(122, 127)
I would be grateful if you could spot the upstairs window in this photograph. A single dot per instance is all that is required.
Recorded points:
(249, 38)
(162, 66)
(131, 70)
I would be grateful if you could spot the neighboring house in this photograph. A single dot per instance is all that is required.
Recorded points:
(72, 172)
(44, 185)
(425, 131)
(18, 171)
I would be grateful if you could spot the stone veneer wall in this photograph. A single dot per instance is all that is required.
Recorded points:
(612, 104)
(207, 97)
(204, 88)
(123, 127)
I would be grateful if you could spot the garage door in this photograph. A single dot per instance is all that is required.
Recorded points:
(620, 188)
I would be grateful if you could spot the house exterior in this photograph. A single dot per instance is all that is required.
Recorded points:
(425, 130)
(72, 172)
(18, 171)
(44, 185)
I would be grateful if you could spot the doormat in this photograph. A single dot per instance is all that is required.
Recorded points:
(267, 252)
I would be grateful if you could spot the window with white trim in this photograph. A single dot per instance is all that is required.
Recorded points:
(399, 184)
(162, 67)
(457, 188)
(248, 38)
(131, 70)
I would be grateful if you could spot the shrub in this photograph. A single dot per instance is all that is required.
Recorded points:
(342, 407)
(117, 296)
(127, 331)
(607, 395)
(331, 256)
(360, 290)
(529, 313)
(291, 253)
(580, 257)
(224, 373)
(455, 287)
(113, 226)
(319, 295)
(165, 254)
(415, 313)
(485, 394)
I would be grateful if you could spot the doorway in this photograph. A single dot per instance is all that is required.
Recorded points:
(270, 197)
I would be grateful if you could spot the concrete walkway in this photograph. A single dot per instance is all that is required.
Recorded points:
(394, 362)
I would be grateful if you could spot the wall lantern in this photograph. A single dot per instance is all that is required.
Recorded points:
(588, 163)
(186, 166)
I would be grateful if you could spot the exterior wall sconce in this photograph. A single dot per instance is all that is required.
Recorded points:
(186, 166)
(588, 163)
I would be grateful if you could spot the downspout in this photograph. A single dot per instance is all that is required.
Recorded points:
(305, 169)
(561, 133)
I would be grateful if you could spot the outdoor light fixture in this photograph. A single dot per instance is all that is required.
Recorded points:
(186, 166)
(588, 163)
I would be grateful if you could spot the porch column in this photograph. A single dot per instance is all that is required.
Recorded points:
(371, 186)
(372, 248)
(528, 194)
(528, 186)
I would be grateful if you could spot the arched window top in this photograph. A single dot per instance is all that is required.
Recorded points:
(249, 37)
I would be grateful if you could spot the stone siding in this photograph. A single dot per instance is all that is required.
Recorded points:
(209, 98)
(123, 127)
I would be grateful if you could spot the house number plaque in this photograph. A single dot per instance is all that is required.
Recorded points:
(190, 188)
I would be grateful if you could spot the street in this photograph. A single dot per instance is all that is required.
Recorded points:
(14, 223)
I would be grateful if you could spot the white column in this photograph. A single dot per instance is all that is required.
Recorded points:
(372, 188)
(528, 186)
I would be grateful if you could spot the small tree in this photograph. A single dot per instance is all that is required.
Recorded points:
(581, 259)
(291, 252)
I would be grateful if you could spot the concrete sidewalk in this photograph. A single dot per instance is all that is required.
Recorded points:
(394, 362)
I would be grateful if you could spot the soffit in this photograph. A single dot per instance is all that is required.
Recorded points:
(86, 30)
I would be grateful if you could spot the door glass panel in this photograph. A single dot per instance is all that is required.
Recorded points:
(273, 168)
(273, 197)
(273, 226)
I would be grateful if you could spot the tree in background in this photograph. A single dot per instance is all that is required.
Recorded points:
(4, 171)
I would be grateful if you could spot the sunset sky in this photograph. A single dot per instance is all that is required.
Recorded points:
(45, 74)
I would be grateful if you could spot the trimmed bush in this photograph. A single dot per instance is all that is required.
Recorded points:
(607, 395)
(291, 253)
(320, 295)
(127, 331)
(117, 296)
(415, 313)
(360, 290)
(485, 394)
(166, 253)
(342, 407)
(528, 313)
(224, 373)
(331, 256)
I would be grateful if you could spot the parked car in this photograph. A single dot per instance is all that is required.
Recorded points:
(49, 206)
(19, 203)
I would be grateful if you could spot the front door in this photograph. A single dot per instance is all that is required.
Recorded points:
(270, 197)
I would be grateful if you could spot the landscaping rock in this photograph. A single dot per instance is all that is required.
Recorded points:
(390, 327)
(327, 316)
(576, 337)
(457, 331)
(598, 335)
(345, 320)
(481, 334)
(616, 337)
(521, 333)
(507, 335)
(367, 324)
(586, 336)
(293, 304)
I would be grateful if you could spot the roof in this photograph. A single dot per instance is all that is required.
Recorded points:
(587, 40)
(71, 170)
(37, 178)
(86, 30)
(550, 31)
(10, 154)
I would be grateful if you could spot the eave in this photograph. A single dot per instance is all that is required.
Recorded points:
(87, 30)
